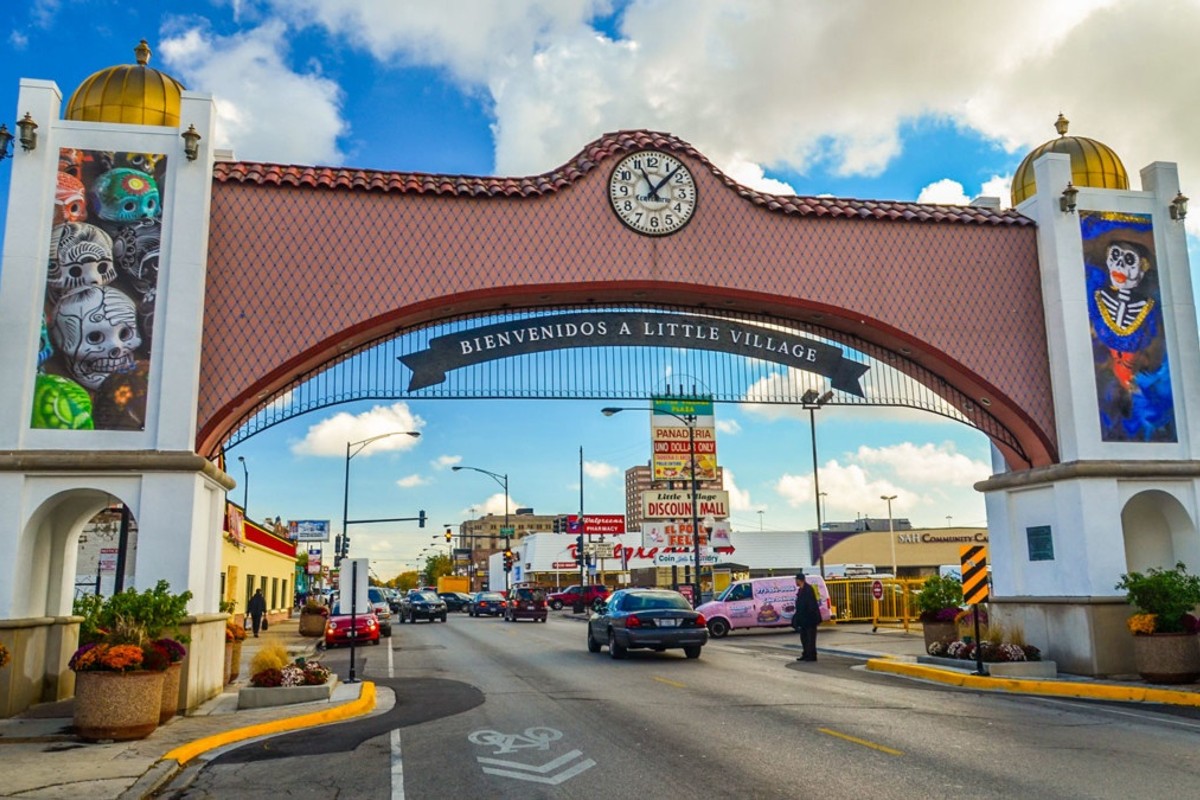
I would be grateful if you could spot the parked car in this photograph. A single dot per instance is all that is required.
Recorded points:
(490, 603)
(570, 596)
(419, 604)
(456, 601)
(525, 603)
(338, 630)
(658, 619)
(382, 609)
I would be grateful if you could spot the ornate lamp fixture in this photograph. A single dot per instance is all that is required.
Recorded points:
(1179, 206)
(28, 132)
(191, 143)
(1067, 201)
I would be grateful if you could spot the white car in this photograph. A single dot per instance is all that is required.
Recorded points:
(381, 608)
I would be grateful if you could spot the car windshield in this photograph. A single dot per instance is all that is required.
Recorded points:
(376, 596)
(428, 597)
(655, 601)
(528, 594)
(490, 596)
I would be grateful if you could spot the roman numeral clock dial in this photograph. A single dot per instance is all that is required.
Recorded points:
(652, 192)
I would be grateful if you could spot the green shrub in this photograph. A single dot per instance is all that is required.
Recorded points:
(939, 594)
(1169, 594)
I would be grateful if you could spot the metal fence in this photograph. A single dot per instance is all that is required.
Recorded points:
(853, 600)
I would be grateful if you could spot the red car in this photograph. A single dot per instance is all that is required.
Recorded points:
(337, 629)
(525, 603)
(569, 596)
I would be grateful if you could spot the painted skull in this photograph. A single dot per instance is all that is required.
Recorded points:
(81, 257)
(70, 161)
(146, 162)
(69, 202)
(96, 331)
(125, 195)
(1127, 263)
(135, 249)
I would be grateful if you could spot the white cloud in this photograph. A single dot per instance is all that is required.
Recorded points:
(945, 191)
(329, 436)
(494, 504)
(729, 426)
(18, 40)
(411, 481)
(598, 470)
(739, 499)
(445, 462)
(265, 110)
(929, 481)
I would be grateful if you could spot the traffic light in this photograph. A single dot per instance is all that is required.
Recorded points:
(508, 560)
(559, 525)
(337, 545)
(449, 536)
(421, 519)
(345, 545)
(579, 549)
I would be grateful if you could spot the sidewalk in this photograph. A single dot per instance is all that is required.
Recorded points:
(41, 758)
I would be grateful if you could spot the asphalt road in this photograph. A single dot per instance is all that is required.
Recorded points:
(489, 709)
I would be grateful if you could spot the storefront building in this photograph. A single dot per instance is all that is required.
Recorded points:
(255, 557)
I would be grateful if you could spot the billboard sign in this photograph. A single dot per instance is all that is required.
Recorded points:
(713, 533)
(603, 523)
(677, 504)
(676, 445)
(308, 530)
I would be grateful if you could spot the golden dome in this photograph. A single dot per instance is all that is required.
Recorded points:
(134, 94)
(1092, 164)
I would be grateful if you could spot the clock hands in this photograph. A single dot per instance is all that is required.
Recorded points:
(663, 182)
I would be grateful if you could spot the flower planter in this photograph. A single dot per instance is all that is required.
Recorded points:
(170, 692)
(264, 697)
(1167, 657)
(235, 661)
(939, 632)
(312, 624)
(117, 706)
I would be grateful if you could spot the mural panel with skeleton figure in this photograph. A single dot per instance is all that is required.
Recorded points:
(1133, 375)
(101, 285)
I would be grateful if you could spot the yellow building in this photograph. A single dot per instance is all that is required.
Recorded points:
(253, 557)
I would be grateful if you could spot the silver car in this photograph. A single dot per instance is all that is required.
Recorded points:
(655, 619)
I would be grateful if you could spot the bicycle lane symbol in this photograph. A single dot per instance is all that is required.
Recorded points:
(535, 738)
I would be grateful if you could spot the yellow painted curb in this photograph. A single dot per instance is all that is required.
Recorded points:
(355, 708)
(1093, 691)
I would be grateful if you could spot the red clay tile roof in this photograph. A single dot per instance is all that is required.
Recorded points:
(589, 158)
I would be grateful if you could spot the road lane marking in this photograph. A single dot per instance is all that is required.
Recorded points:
(536, 737)
(391, 660)
(537, 774)
(881, 748)
(669, 682)
(397, 766)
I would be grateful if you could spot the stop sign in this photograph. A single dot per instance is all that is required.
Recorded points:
(877, 590)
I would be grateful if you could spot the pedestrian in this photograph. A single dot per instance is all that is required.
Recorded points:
(806, 617)
(257, 608)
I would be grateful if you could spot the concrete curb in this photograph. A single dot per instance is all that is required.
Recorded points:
(355, 708)
(1048, 688)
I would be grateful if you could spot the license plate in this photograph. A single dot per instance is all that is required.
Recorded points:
(668, 623)
(350, 634)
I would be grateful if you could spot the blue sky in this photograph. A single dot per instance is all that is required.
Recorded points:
(932, 101)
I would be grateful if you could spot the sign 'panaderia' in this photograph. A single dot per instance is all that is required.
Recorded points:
(629, 329)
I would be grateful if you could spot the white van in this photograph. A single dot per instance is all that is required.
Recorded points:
(759, 603)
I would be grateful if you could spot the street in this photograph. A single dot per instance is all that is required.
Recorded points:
(485, 708)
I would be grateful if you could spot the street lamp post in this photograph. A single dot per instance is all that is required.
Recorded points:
(812, 401)
(891, 530)
(690, 421)
(245, 488)
(501, 479)
(351, 453)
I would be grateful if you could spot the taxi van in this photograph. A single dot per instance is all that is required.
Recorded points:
(759, 603)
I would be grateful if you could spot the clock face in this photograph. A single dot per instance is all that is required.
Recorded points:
(652, 192)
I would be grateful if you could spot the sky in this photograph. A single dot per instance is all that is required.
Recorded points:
(924, 100)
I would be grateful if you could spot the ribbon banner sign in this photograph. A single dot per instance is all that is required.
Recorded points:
(630, 329)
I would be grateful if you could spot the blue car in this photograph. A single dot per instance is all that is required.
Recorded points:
(486, 604)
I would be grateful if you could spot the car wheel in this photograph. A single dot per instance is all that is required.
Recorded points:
(593, 645)
(376, 642)
(692, 651)
(556, 605)
(443, 616)
(412, 619)
(615, 650)
(718, 628)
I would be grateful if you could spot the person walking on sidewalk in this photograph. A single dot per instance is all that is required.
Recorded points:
(257, 608)
(807, 617)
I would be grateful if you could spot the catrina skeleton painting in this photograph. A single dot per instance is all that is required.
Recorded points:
(1129, 349)
(101, 287)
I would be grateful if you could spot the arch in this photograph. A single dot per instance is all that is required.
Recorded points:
(48, 545)
(308, 265)
(1158, 532)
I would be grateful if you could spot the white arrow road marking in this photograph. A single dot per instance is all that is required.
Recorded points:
(525, 775)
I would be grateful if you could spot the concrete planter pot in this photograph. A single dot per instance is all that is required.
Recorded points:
(312, 624)
(939, 632)
(256, 697)
(1034, 670)
(170, 692)
(1169, 658)
(117, 706)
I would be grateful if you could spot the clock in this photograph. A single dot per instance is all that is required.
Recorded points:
(652, 192)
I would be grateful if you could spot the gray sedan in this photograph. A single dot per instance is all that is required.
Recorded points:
(655, 619)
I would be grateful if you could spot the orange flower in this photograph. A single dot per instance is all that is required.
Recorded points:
(1142, 624)
(122, 657)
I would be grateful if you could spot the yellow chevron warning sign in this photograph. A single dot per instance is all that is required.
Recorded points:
(974, 573)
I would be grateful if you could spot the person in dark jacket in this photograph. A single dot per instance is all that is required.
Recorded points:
(257, 607)
(807, 617)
